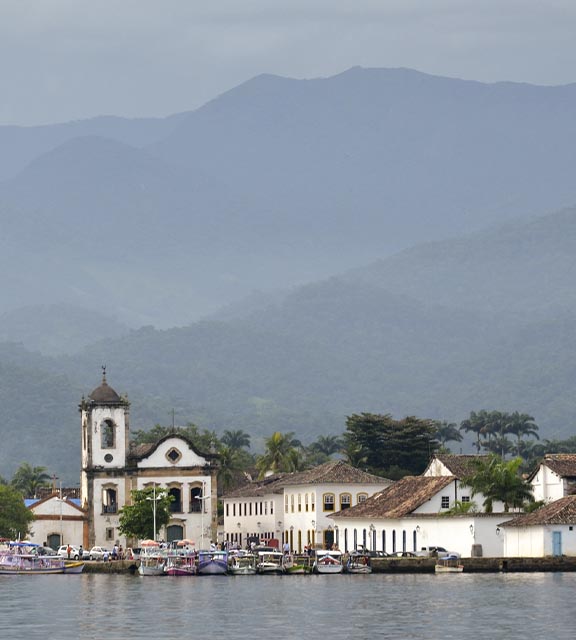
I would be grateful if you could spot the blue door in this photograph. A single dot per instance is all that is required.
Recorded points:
(556, 543)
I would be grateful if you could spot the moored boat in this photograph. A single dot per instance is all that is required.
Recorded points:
(328, 561)
(242, 564)
(152, 559)
(20, 558)
(296, 564)
(212, 563)
(449, 564)
(269, 561)
(358, 562)
(180, 565)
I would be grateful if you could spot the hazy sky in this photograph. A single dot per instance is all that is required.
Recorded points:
(68, 59)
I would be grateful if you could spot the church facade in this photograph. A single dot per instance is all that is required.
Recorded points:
(112, 468)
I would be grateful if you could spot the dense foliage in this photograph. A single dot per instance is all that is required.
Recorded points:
(15, 517)
(137, 519)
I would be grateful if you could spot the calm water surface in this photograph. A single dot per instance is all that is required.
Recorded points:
(495, 606)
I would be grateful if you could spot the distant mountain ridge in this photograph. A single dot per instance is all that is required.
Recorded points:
(276, 183)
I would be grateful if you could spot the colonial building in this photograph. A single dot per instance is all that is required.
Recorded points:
(112, 469)
(548, 531)
(57, 521)
(555, 477)
(410, 515)
(294, 508)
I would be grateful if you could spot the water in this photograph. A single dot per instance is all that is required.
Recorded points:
(114, 607)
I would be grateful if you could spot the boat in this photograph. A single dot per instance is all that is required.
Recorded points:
(212, 563)
(242, 564)
(358, 562)
(180, 565)
(449, 564)
(297, 564)
(20, 558)
(269, 561)
(328, 561)
(73, 567)
(152, 559)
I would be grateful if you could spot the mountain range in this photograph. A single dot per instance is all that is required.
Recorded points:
(293, 252)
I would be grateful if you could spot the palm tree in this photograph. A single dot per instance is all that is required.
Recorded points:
(446, 432)
(328, 445)
(521, 425)
(499, 480)
(277, 457)
(236, 439)
(476, 423)
(28, 479)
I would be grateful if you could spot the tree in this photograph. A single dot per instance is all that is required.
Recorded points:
(391, 447)
(204, 440)
(28, 479)
(460, 508)
(521, 425)
(137, 519)
(447, 432)
(281, 453)
(236, 439)
(15, 518)
(328, 445)
(476, 424)
(499, 480)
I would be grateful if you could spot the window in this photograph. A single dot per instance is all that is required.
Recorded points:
(271, 508)
(227, 510)
(345, 501)
(286, 503)
(110, 499)
(266, 508)
(306, 502)
(233, 509)
(196, 502)
(313, 502)
(108, 434)
(110, 533)
(292, 503)
(445, 503)
(328, 500)
(176, 504)
(250, 508)
(465, 499)
(299, 502)
(173, 455)
(361, 497)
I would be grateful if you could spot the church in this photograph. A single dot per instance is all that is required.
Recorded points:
(112, 468)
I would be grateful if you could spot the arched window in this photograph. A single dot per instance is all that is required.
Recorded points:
(299, 502)
(393, 540)
(292, 503)
(328, 501)
(361, 497)
(345, 501)
(286, 503)
(176, 504)
(383, 540)
(108, 433)
(306, 501)
(196, 502)
(404, 540)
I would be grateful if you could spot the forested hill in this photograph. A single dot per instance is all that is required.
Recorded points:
(344, 345)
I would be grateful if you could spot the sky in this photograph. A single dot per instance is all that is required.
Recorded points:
(62, 60)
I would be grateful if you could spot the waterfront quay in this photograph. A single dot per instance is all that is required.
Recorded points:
(407, 565)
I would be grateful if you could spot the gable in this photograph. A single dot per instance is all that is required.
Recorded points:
(172, 452)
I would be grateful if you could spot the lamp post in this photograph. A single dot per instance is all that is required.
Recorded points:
(154, 499)
(202, 498)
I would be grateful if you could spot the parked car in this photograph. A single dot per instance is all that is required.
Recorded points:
(404, 554)
(436, 552)
(97, 553)
(74, 551)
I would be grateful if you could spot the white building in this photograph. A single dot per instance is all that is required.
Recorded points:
(555, 477)
(57, 521)
(409, 515)
(548, 531)
(111, 469)
(295, 507)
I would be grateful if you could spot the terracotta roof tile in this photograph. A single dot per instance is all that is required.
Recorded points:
(562, 511)
(333, 472)
(564, 464)
(399, 499)
(460, 465)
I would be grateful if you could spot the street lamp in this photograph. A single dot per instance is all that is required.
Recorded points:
(202, 498)
(154, 499)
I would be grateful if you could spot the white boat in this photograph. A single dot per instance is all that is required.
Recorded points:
(20, 558)
(152, 560)
(180, 565)
(212, 563)
(297, 564)
(242, 564)
(269, 561)
(328, 561)
(449, 564)
(358, 562)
